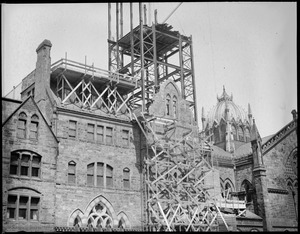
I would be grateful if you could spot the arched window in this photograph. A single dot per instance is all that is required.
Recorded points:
(126, 178)
(22, 120)
(23, 204)
(241, 133)
(100, 217)
(216, 134)
(223, 132)
(248, 188)
(247, 134)
(109, 176)
(233, 130)
(90, 174)
(103, 172)
(222, 188)
(123, 221)
(71, 172)
(292, 204)
(33, 129)
(100, 174)
(25, 163)
(175, 106)
(228, 188)
(168, 100)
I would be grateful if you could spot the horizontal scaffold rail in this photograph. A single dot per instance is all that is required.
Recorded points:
(66, 64)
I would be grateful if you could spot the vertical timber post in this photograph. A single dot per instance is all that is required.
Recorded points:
(117, 36)
(155, 56)
(142, 55)
(181, 68)
(109, 37)
(193, 80)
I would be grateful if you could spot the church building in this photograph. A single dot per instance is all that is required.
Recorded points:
(73, 158)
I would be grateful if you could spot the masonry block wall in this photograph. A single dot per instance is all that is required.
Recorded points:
(280, 172)
(26, 183)
(8, 107)
(244, 172)
(121, 152)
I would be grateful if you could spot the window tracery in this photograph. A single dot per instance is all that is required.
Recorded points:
(100, 217)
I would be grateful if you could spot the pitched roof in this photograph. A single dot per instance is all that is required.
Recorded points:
(246, 149)
(19, 107)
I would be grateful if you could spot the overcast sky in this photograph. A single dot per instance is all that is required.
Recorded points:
(249, 47)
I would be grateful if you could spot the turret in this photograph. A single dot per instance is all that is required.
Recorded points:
(256, 146)
(261, 202)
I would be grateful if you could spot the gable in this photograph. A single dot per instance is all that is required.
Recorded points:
(30, 108)
(9, 106)
(279, 136)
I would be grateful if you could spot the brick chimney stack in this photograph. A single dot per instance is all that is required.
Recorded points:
(42, 77)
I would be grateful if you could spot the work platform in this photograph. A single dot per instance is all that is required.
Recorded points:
(76, 72)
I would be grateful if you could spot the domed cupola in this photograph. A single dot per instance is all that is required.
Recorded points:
(235, 112)
(227, 123)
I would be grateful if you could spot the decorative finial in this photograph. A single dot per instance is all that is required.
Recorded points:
(249, 109)
(254, 134)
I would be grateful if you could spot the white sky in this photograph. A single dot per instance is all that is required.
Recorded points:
(250, 47)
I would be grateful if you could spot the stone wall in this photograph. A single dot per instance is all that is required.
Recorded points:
(8, 107)
(84, 151)
(282, 209)
(43, 186)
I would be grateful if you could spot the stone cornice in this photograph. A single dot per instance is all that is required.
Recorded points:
(79, 114)
(279, 136)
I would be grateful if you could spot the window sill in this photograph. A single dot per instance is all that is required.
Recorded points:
(25, 177)
(22, 220)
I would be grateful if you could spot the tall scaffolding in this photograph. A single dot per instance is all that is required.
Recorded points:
(152, 54)
(176, 164)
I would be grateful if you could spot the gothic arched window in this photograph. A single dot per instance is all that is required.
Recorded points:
(168, 103)
(292, 200)
(216, 134)
(126, 177)
(223, 132)
(247, 134)
(33, 129)
(100, 217)
(233, 130)
(71, 172)
(174, 106)
(22, 120)
(247, 187)
(241, 133)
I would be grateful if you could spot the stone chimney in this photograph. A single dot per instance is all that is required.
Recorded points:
(42, 77)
